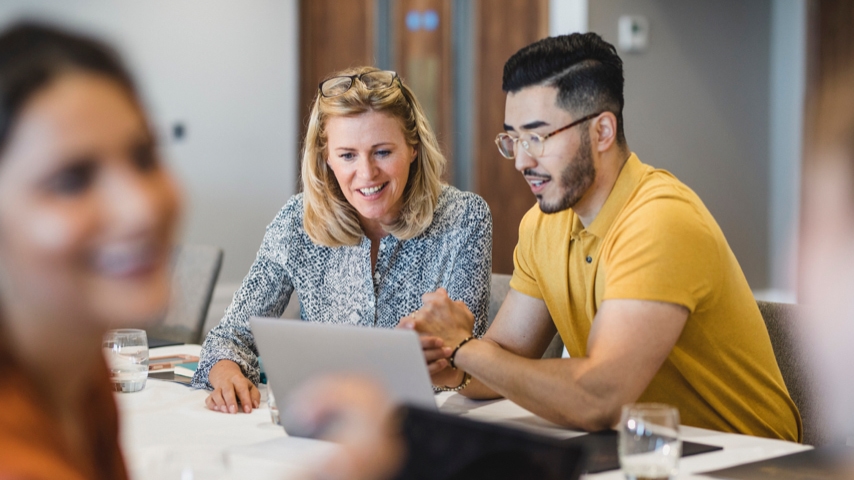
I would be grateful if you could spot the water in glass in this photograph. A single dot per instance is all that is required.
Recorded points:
(271, 404)
(649, 445)
(126, 352)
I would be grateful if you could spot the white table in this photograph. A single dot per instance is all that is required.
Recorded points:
(170, 417)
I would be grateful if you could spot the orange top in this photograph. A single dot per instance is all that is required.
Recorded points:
(32, 448)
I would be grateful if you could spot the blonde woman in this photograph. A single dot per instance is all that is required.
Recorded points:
(373, 231)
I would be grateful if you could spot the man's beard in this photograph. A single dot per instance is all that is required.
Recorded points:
(576, 178)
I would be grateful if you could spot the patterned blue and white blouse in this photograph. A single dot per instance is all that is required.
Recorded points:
(335, 284)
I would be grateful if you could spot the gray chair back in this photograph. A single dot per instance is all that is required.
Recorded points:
(292, 311)
(194, 275)
(499, 287)
(781, 320)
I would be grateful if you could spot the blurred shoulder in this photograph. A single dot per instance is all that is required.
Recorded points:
(28, 445)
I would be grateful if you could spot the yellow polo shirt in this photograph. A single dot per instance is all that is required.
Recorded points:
(655, 240)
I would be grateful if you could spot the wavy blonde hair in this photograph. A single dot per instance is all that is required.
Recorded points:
(329, 218)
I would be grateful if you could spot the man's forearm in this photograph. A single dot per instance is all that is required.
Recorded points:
(555, 389)
(477, 390)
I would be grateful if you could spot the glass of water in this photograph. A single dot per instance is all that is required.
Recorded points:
(271, 404)
(649, 445)
(126, 352)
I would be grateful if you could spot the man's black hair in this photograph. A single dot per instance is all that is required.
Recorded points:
(585, 69)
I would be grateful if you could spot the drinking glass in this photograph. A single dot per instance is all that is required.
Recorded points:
(271, 404)
(649, 445)
(126, 352)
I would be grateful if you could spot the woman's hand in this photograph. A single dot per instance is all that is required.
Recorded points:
(231, 387)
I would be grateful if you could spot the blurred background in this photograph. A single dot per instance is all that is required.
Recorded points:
(715, 93)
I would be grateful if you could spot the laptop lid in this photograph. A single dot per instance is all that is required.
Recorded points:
(295, 351)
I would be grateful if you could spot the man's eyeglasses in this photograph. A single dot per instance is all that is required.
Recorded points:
(334, 86)
(532, 143)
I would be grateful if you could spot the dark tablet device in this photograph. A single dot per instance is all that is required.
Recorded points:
(447, 447)
(161, 342)
(602, 453)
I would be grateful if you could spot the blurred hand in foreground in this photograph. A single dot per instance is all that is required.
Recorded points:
(356, 413)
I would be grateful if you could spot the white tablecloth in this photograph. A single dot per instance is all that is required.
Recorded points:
(170, 417)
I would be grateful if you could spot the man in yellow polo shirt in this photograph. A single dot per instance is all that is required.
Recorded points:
(623, 260)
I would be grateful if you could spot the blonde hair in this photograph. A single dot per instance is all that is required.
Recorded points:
(329, 218)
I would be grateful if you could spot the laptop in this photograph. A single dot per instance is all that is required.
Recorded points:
(450, 447)
(295, 351)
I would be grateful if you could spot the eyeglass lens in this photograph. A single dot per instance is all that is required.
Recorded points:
(507, 145)
(336, 86)
(373, 80)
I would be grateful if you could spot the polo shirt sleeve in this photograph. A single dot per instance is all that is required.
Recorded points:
(525, 278)
(661, 250)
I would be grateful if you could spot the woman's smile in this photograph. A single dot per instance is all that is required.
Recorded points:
(372, 192)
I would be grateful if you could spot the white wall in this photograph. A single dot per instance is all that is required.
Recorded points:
(697, 104)
(228, 71)
(567, 16)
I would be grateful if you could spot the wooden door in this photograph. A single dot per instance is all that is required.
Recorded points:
(334, 35)
(422, 45)
(504, 26)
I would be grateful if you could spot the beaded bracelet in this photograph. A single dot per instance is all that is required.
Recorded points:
(453, 355)
(464, 384)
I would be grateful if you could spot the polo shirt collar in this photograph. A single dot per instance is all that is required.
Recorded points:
(629, 177)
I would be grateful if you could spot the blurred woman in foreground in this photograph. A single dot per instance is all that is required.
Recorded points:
(87, 219)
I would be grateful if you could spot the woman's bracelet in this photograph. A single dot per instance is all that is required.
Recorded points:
(464, 384)
(454, 354)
